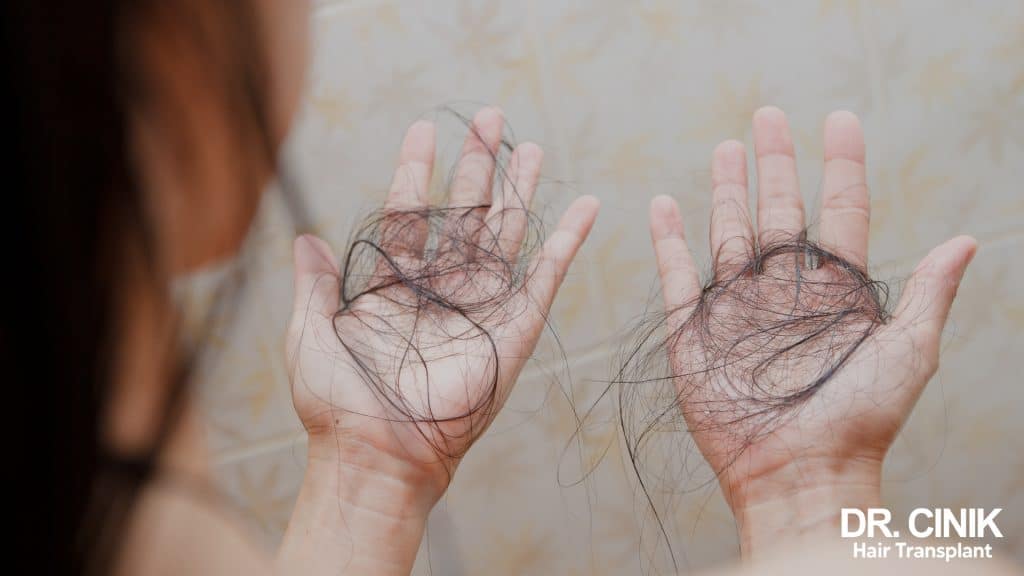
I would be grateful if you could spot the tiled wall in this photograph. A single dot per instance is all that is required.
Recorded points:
(628, 99)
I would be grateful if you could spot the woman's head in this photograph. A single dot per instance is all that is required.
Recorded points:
(144, 132)
(211, 91)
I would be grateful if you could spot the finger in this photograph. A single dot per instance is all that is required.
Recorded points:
(316, 284)
(472, 183)
(558, 251)
(404, 229)
(928, 295)
(732, 236)
(508, 218)
(679, 282)
(846, 208)
(780, 209)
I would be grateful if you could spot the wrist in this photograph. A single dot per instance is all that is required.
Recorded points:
(359, 474)
(802, 499)
(358, 512)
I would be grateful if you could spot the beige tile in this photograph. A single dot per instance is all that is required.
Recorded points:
(628, 100)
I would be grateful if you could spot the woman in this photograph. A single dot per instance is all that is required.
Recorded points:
(150, 132)
(144, 134)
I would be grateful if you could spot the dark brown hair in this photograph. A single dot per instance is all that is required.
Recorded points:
(79, 210)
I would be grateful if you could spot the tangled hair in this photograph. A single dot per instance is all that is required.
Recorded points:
(767, 332)
(431, 285)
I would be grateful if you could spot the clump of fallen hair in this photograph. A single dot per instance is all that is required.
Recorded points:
(431, 285)
(767, 332)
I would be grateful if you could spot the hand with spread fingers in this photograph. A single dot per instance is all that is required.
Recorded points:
(790, 372)
(401, 355)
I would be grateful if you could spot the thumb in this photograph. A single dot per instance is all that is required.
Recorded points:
(928, 295)
(316, 278)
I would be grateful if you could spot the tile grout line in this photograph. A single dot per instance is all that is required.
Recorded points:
(324, 8)
(298, 437)
(259, 448)
(587, 355)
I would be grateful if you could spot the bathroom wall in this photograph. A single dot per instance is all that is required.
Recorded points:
(628, 99)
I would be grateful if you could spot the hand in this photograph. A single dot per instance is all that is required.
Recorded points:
(791, 376)
(399, 361)
(415, 364)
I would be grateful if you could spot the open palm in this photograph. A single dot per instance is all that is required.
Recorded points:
(410, 350)
(787, 364)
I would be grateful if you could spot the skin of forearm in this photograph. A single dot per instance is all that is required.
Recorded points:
(800, 501)
(356, 514)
